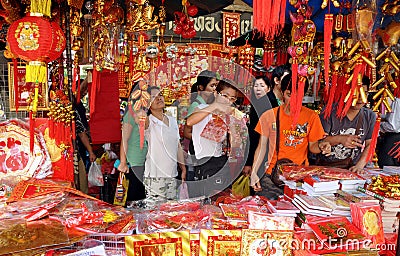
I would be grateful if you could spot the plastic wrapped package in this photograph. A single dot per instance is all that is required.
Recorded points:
(17, 235)
(297, 172)
(150, 222)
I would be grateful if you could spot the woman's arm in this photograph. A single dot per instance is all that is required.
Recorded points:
(215, 108)
(126, 133)
(258, 159)
(181, 161)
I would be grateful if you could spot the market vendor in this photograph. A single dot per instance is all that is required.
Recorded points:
(294, 141)
(350, 136)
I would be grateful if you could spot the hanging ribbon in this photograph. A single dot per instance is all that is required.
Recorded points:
(354, 83)
(31, 131)
(374, 139)
(328, 25)
(331, 95)
(16, 91)
(294, 109)
(269, 17)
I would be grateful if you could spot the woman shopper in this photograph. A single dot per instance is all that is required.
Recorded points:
(164, 151)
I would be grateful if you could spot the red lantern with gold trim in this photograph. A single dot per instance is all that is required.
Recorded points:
(35, 38)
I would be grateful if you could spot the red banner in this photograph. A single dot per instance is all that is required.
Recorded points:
(230, 29)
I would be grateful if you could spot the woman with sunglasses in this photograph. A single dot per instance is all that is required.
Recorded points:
(208, 147)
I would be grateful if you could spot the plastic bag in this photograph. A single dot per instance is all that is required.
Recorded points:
(121, 191)
(95, 177)
(241, 187)
(392, 123)
(183, 191)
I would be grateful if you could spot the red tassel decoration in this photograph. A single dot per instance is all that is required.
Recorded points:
(93, 90)
(73, 125)
(268, 16)
(74, 82)
(31, 132)
(16, 91)
(78, 87)
(295, 112)
(328, 25)
(396, 91)
(294, 98)
(331, 95)
(142, 121)
(374, 139)
(354, 84)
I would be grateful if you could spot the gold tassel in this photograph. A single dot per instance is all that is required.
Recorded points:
(41, 6)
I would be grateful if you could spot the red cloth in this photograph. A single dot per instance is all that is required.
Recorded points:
(104, 123)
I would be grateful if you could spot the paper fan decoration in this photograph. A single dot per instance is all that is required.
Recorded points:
(15, 156)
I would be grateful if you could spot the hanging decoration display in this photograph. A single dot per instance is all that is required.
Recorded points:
(37, 40)
(184, 23)
(269, 16)
(230, 29)
(140, 99)
(303, 33)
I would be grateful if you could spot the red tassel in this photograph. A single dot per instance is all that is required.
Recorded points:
(331, 95)
(268, 16)
(354, 83)
(78, 89)
(73, 130)
(328, 25)
(396, 91)
(93, 91)
(16, 91)
(282, 17)
(74, 82)
(142, 122)
(299, 100)
(31, 132)
(374, 139)
(293, 99)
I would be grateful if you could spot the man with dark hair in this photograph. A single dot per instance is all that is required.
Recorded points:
(287, 142)
(350, 136)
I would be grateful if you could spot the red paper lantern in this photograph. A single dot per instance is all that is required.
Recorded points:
(35, 38)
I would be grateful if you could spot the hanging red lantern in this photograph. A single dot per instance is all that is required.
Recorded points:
(35, 38)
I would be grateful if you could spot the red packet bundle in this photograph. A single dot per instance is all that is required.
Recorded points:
(215, 129)
(266, 221)
(368, 218)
